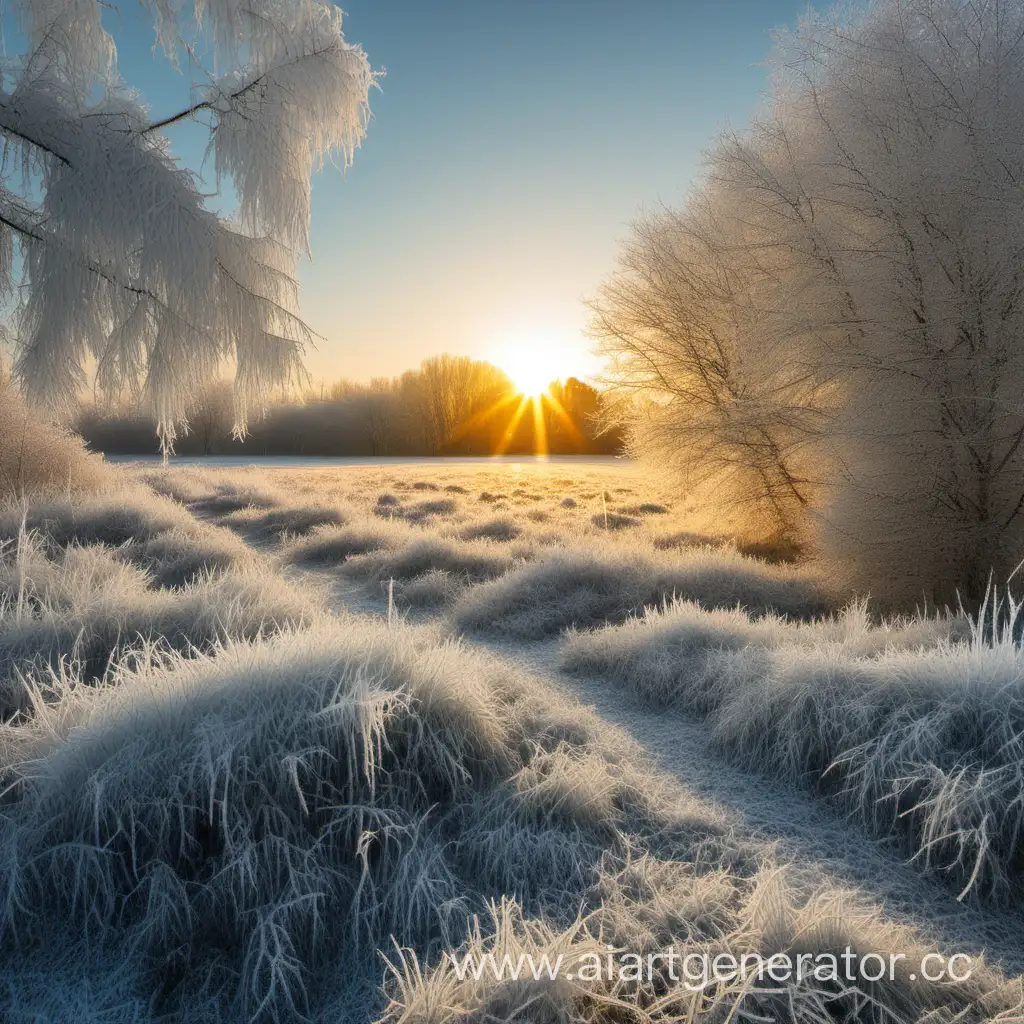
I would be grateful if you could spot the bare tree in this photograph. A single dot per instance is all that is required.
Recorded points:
(381, 413)
(449, 394)
(724, 405)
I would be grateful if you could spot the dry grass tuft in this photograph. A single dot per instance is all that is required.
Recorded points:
(431, 591)
(234, 496)
(141, 528)
(332, 545)
(614, 521)
(273, 523)
(584, 587)
(84, 611)
(646, 508)
(123, 516)
(179, 557)
(476, 561)
(500, 528)
(437, 507)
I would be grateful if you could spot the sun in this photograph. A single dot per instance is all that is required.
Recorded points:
(528, 370)
(534, 361)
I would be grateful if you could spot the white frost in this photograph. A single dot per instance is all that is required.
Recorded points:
(122, 262)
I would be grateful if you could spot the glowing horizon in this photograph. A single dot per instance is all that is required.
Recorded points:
(534, 358)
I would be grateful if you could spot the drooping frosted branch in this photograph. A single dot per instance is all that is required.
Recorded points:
(122, 262)
(304, 98)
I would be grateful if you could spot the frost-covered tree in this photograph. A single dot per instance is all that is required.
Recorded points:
(848, 284)
(447, 394)
(109, 253)
(703, 368)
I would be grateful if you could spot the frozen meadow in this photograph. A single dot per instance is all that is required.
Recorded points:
(280, 743)
(286, 742)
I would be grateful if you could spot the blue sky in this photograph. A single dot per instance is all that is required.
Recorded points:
(511, 146)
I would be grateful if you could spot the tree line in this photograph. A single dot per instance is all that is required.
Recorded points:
(450, 405)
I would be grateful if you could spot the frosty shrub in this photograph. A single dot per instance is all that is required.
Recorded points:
(37, 458)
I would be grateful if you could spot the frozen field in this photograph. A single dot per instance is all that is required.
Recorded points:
(285, 744)
(301, 462)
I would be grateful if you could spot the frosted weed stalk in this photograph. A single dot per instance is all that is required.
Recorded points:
(997, 621)
(20, 571)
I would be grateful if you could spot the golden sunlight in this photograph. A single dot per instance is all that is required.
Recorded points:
(534, 363)
(531, 377)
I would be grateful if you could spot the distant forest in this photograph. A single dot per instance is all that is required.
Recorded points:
(449, 406)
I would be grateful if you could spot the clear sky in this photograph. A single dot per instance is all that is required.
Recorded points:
(511, 145)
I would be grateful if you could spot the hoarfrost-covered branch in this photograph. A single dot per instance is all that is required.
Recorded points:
(122, 263)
